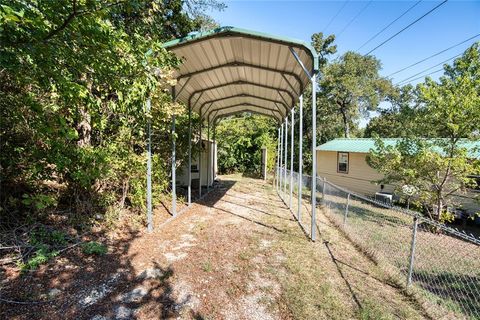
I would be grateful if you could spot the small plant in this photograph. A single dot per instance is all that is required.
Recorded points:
(41, 256)
(94, 247)
(43, 236)
(207, 266)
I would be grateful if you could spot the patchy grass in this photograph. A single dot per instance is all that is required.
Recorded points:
(306, 293)
(445, 266)
(370, 311)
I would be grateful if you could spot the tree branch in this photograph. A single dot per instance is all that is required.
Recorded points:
(65, 23)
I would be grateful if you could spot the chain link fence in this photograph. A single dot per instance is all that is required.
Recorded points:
(439, 265)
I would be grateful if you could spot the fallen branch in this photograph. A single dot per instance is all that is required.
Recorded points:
(22, 302)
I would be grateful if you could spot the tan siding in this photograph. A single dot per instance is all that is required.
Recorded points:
(359, 177)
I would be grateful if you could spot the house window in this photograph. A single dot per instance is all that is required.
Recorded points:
(342, 162)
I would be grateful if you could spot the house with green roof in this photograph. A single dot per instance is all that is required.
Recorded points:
(343, 162)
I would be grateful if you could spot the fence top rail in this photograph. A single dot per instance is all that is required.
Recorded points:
(415, 214)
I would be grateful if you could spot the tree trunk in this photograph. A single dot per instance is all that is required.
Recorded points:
(439, 207)
(346, 125)
(84, 128)
(125, 187)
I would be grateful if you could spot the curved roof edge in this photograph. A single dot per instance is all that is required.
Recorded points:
(198, 36)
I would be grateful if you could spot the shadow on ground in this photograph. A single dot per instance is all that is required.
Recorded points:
(79, 286)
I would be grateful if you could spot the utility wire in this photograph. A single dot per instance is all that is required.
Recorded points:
(408, 26)
(354, 18)
(387, 26)
(433, 55)
(336, 15)
(428, 74)
(438, 64)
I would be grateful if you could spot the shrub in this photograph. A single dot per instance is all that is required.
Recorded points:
(94, 247)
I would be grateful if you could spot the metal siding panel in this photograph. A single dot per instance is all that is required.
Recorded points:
(215, 51)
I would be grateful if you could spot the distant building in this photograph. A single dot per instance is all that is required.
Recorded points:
(343, 162)
(209, 148)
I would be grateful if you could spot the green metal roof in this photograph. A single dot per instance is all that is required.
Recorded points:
(230, 70)
(364, 145)
(225, 31)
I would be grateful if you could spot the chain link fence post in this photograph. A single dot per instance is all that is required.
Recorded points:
(323, 190)
(412, 251)
(346, 210)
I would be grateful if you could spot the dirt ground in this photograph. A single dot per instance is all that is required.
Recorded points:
(237, 254)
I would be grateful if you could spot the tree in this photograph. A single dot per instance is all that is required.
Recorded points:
(240, 139)
(399, 120)
(74, 77)
(352, 86)
(439, 167)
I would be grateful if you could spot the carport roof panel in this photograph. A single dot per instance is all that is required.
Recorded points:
(215, 62)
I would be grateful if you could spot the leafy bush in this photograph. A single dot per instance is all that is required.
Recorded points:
(75, 135)
(240, 142)
(41, 256)
(94, 248)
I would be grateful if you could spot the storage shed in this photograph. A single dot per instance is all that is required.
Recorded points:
(209, 149)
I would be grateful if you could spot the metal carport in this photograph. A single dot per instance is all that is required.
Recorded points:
(230, 70)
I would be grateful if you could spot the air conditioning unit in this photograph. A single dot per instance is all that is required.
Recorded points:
(384, 197)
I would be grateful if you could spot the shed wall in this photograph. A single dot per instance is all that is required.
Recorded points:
(360, 177)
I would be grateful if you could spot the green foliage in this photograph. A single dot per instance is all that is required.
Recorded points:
(41, 256)
(42, 236)
(45, 242)
(441, 167)
(324, 47)
(352, 86)
(75, 75)
(240, 140)
(94, 248)
(400, 120)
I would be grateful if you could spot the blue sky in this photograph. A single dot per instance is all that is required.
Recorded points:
(450, 24)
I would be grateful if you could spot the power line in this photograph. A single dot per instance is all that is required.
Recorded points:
(335, 16)
(438, 64)
(434, 55)
(387, 26)
(354, 18)
(408, 26)
(429, 74)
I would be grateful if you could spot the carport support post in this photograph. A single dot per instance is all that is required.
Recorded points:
(314, 156)
(300, 160)
(209, 153)
(286, 163)
(214, 152)
(189, 191)
(149, 169)
(174, 184)
(280, 171)
(200, 159)
(277, 162)
(292, 125)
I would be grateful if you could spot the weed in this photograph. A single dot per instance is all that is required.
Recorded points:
(41, 256)
(94, 247)
(244, 255)
(42, 236)
(207, 266)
